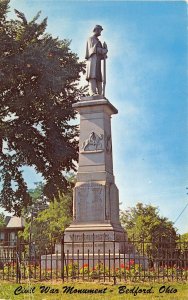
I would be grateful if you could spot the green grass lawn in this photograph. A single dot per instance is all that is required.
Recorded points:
(111, 292)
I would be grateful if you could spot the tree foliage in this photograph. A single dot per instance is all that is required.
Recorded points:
(184, 237)
(37, 192)
(2, 220)
(144, 222)
(46, 221)
(38, 85)
(49, 224)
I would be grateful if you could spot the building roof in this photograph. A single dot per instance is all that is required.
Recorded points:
(15, 222)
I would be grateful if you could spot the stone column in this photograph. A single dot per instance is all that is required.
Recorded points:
(96, 199)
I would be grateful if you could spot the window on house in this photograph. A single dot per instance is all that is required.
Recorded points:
(12, 238)
(2, 236)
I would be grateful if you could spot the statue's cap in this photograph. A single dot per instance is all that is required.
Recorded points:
(97, 27)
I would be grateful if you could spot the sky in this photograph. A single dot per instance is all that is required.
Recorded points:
(146, 82)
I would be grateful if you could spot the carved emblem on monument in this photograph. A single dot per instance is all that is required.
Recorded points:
(94, 143)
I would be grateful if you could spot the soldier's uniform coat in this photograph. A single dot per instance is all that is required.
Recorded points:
(94, 54)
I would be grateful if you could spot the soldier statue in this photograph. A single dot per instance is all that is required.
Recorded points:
(95, 52)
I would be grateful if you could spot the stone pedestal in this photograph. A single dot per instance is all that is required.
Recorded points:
(96, 199)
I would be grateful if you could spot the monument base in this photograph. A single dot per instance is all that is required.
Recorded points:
(111, 261)
(94, 238)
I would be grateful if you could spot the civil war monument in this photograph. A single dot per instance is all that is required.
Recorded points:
(96, 199)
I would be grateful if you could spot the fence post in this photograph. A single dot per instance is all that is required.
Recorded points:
(114, 259)
(62, 258)
(18, 271)
(17, 265)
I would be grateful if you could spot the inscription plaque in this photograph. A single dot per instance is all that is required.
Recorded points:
(89, 202)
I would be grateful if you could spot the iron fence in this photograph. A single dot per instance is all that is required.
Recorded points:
(94, 260)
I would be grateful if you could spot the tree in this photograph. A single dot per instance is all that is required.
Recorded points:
(48, 225)
(39, 200)
(184, 242)
(46, 221)
(144, 224)
(37, 192)
(144, 221)
(38, 85)
(2, 220)
(184, 237)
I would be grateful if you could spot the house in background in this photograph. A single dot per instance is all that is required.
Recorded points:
(9, 233)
